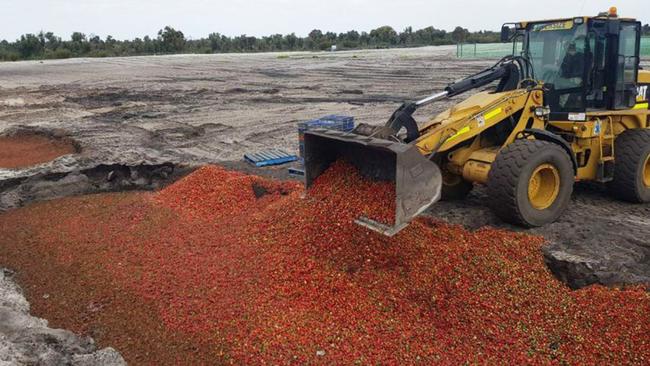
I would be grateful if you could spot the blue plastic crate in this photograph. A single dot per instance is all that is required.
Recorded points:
(332, 125)
(269, 157)
(343, 123)
(338, 118)
(331, 122)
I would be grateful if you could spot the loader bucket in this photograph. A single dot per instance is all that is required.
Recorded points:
(417, 180)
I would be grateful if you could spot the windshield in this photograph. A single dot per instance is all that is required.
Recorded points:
(557, 52)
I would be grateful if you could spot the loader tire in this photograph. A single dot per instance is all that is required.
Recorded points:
(454, 187)
(530, 183)
(632, 166)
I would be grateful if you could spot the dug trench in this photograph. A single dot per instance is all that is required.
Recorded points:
(229, 268)
(40, 164)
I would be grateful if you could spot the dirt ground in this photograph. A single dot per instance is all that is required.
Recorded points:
(133, 117)
(210, 108)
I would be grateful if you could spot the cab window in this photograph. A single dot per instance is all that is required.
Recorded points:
(560, 55)
(627, 65)
(627, 54)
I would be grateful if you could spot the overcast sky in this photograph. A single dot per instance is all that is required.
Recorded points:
(126, 19)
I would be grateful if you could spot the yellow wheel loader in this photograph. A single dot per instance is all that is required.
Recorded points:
(570, 104)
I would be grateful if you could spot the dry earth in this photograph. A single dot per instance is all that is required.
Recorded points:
(141, 121)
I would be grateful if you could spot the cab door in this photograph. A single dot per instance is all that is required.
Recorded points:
(625, 64)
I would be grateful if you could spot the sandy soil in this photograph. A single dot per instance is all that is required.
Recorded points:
(196, 109)
(215, 107)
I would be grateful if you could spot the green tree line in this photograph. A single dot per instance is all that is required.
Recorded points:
(47, 45)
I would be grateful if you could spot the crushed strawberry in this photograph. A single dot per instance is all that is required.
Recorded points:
(282, 279)
(342, 186)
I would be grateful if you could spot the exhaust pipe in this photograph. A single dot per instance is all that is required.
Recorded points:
(417, 180)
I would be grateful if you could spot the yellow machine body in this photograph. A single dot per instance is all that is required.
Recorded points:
(571, 106)
(594, 133)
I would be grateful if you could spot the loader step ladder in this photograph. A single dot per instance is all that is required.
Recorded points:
(606, 162)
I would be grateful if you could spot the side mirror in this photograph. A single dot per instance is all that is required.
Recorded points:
(506, 33)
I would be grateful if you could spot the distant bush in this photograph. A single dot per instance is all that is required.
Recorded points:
(99, 53)
(60, 53)
(9, 56)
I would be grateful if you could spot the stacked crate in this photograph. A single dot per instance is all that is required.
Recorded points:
(332, 122)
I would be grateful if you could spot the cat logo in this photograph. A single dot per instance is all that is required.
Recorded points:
(642, 93)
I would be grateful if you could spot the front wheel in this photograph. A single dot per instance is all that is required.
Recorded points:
(530, 183)
(632, 166)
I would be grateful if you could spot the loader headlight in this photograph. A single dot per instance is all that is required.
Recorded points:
(542, 111)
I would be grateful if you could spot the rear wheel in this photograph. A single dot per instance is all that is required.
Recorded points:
(454, 187)
(530, 183)
(632, 166)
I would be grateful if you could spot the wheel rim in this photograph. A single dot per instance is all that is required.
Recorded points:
(646, 172)
(544, 186)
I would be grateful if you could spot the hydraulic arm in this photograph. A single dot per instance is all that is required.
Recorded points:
(507, 70)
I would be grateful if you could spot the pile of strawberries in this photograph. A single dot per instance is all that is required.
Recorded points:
(343, 188)
(262, 273)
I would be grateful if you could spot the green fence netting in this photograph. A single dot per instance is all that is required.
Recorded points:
(645, 46)
(498, 50)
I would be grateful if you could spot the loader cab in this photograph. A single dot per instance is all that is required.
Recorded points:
(584, 63)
